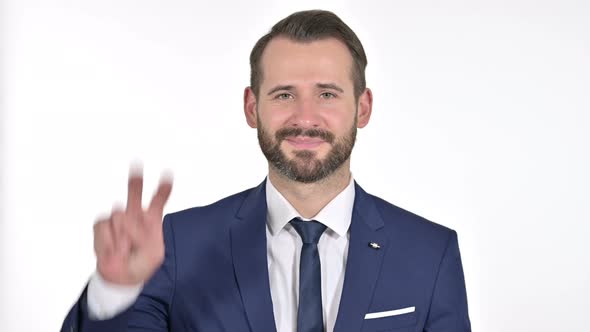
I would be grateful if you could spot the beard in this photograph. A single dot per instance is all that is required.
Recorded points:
(305, 166)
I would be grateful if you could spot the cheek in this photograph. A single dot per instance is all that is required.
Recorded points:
(274, 117)
(340, 121)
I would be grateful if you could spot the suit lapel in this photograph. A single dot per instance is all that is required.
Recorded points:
(248, 247)
(363, 263)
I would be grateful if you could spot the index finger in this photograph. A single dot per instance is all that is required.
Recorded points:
(161, 196)
(134, 190)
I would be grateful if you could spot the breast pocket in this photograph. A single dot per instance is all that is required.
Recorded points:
(393, 320)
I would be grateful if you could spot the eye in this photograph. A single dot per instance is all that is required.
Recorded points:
(327, 95)
(283, 96)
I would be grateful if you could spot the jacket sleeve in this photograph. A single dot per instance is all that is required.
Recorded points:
(448, 308)
(151, 310)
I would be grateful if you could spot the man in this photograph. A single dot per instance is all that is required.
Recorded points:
(306, 250)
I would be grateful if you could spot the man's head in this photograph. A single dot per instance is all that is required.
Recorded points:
(309, 26)
(308, 95)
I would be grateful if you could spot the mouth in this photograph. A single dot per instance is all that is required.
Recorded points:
(304, 142)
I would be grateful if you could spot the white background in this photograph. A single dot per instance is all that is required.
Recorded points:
(481, 123)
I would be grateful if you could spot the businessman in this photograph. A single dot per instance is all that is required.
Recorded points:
(307, 249)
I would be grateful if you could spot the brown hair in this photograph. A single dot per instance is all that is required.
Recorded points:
(308, 26)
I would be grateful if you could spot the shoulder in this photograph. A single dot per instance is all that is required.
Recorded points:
(415, 230)
(405, 218)
(221, 212)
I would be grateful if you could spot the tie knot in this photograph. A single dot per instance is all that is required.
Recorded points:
(309, 231)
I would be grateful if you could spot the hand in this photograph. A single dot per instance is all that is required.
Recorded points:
(129, 245)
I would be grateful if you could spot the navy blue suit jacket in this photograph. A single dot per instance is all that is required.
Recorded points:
(215, 276)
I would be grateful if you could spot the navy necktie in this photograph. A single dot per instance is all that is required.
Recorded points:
(309, 313)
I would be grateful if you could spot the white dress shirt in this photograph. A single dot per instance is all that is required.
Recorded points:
(284, 250)
(105, 300)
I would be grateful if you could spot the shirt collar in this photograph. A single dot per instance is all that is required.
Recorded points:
(336, 215)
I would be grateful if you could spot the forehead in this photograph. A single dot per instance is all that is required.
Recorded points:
(321, 60)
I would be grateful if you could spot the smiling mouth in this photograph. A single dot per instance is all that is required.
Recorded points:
(305, 142)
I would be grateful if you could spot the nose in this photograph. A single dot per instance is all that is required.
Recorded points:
(306, 114)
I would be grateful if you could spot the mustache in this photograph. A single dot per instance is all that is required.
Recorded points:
(283, 133)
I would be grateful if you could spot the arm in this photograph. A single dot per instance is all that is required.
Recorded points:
(148, 313)
(448, 308)
(131, 246)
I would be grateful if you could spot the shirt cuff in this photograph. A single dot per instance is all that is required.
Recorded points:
(106, 300)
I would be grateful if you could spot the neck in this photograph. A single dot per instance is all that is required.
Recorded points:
(309, 198)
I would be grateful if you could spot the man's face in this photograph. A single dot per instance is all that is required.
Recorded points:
(306, 113)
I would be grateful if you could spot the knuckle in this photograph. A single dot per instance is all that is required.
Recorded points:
(97, 227)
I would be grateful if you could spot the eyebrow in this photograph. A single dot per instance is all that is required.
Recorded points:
(279, 88)
(330, 86)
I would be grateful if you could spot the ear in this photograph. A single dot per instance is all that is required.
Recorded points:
(250, 107)
(365, 107)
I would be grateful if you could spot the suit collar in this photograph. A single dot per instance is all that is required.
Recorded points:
(248, 247)
(366, 210)
(336, 215)
(363, 264)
